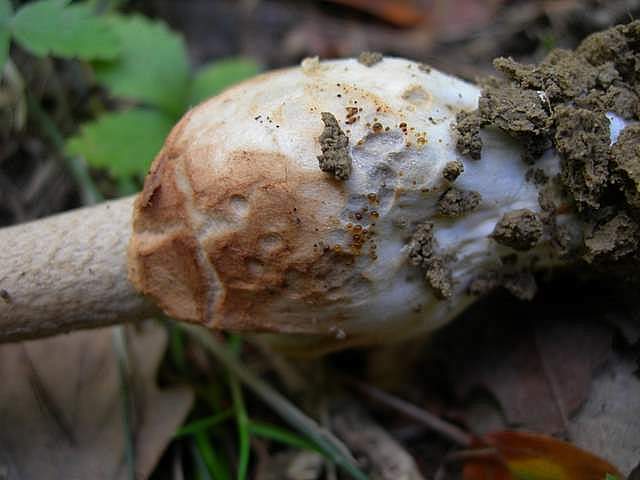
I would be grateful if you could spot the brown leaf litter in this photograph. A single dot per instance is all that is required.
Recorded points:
(62, 405)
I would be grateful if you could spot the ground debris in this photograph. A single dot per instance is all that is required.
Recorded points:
(387, 459)
(519, 229)
(335, 158)
(538, 367)
(608, 423)
(424, 254)
(67, 393)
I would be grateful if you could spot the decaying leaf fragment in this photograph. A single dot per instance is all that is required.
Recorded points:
(527, 456)
(61, 406)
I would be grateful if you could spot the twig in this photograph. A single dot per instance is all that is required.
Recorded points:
(447, 430)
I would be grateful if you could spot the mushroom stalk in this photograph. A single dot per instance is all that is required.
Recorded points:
(68, 272)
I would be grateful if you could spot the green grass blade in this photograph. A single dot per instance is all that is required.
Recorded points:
(326, 441)
(203, 424)
(201, 471)
(211, 459)
(242, 419)
(277, 434)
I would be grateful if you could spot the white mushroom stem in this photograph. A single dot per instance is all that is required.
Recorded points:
(68, 272)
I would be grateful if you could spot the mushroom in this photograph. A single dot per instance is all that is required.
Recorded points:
(237, 228)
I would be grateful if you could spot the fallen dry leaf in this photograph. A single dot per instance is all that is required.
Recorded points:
(609, 421)
(529, 456)
(61, 406)
(386, 458)
(538, 369)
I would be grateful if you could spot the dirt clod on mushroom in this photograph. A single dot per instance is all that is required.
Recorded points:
(335, 158)
(612, 241)
(452, 170)
(625, 158)
(435, 266)
(455, 202)
(469, 142)
(369, 59)
(519, 283)
(582, 137)
(564, 102)
(519, 229)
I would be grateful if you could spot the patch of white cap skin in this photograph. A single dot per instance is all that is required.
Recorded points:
(616, 125)
(403, 172)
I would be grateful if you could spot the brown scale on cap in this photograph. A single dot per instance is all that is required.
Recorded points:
(240, 243)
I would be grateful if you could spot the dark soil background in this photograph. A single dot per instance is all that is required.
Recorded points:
(489, 370)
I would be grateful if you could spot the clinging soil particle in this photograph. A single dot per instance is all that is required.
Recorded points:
(612, 241)
(562, 103)
(521, 284)
(369, 59)
(514, 110)
(468, 127)
(582, 138)
(455, 202)
(625, 157)
(423, 254)
(452, 170)
(335, 158)
(519, 229)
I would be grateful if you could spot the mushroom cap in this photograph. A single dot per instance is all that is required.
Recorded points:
(237, 228)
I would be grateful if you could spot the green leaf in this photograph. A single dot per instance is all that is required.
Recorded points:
(53, 26)
(5, 34)
(124, 143)
(152, 66)
(215, 77)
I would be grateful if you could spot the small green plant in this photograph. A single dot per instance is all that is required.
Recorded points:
(141, 62)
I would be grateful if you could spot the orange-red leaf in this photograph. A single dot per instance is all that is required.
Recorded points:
(401, 13)
(528, 456)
